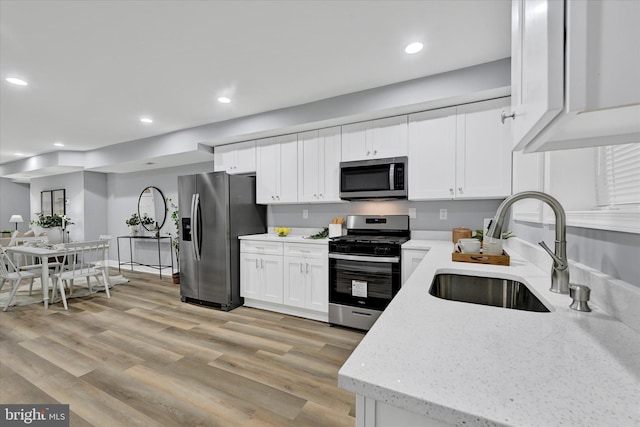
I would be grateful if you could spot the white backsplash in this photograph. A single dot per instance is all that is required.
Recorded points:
(618, 298)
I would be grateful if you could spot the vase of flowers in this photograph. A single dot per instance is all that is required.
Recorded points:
(55, 225)
(134, 224)
(148, 225)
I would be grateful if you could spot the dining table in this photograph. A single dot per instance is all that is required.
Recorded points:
(44, 253)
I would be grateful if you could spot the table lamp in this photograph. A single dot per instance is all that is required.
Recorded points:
(16, 219)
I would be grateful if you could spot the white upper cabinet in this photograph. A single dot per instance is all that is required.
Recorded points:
(460, 152)
(483, 151)
(375, 139)
(575, 67)
(432, 154)
(277, 170)
(235, 158)
(319, 154)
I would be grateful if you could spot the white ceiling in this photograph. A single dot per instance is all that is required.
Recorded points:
(95, 67)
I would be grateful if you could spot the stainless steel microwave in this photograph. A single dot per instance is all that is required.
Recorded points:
(374, 179)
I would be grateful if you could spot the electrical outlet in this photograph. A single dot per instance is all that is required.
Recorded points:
(443, 214)
(412, 213)
(305, 214)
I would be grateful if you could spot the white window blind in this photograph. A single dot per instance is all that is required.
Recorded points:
(618, 175)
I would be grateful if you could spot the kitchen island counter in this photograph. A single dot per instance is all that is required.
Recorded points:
(467, 364)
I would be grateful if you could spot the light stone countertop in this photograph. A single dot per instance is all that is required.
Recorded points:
(469, 364)
(291, 238)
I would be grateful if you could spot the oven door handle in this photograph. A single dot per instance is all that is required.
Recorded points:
(365, 258)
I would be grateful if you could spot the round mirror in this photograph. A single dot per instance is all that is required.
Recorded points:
(152, 208)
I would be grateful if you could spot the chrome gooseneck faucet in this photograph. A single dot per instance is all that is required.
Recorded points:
(560, 270)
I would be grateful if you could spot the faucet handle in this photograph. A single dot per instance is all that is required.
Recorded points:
(580, 295)
(559, 263)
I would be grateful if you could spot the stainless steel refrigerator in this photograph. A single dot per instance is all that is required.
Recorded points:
(215, 208)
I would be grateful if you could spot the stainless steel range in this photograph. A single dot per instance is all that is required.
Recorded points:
(365, 268)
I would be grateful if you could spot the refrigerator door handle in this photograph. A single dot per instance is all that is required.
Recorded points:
(195, 238)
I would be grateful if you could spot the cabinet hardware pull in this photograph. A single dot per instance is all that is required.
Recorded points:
(307, 268)
(504, 116)
(257, 266)
(301, 270)
(262, 264)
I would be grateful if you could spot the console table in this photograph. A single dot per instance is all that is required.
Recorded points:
(131, 262)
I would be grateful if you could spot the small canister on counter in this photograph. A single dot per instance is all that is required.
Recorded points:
(460, 233)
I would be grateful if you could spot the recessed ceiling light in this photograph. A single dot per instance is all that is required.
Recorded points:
(224, 100)
(17, 81)
(146, 120)
(18, 154)
(413, 48)
(58, 144)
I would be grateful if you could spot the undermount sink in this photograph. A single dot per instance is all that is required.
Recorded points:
(486, 291)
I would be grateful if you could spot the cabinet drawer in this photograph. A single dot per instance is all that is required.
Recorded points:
(305, 250)
(261, 247)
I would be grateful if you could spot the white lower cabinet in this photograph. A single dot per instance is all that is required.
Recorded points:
(291, 278)
(411, 258)
(306, 279)
(261, 271)
(376, 413)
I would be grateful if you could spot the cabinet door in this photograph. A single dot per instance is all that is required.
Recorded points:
(309, 163)
(294, 281)
(250, 278)
(317, 285)
(537, 66)
(245, 157)
(354, 141)
(330, 155)
(389, 137)
(224, 158)
(267, 171)
(287, 165)
(483, 152)
(271, 284)
(432, 154)
(411, 258)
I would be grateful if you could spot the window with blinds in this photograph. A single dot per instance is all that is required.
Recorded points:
(618, 176)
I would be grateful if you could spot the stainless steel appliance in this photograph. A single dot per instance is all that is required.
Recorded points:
(215, 208)
(365, 268)
(374, 179)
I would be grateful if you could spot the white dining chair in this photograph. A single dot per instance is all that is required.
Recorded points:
(9, 273)
(81, 260)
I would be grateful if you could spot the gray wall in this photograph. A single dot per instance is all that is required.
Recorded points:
(468, 213)
(123, 193)
(95, 205)
(73, 184)
(613, 253)
(14, 200)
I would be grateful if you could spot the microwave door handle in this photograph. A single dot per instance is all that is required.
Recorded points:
(392, 174)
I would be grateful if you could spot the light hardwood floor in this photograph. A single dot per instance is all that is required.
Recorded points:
(143, 358)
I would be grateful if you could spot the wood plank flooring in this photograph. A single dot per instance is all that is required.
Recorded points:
(143, 358)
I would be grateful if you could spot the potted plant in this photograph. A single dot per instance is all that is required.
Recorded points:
(175, 237)
(54, 223)
(134, 224)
